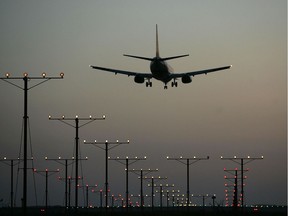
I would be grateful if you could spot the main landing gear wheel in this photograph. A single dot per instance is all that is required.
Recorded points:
(174, 84)
(149, 84)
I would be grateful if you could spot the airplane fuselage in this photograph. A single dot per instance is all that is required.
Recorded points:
(160, 70)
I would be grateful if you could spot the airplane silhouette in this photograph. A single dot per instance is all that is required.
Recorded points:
(160, 70)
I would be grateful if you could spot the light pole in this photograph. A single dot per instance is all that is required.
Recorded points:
(234, 179)
(87, 192)
(26, 78)
(188, 161)
(140, 173)
(101, 196)
(66, 162)
(161, 187)
(11, 164)
(127, 161)
(106, 149)
(242, 161)
(76, 120)
(153, 181)
(47, 173)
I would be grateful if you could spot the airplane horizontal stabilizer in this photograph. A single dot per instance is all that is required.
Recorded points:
(174, 57)
(139, 57)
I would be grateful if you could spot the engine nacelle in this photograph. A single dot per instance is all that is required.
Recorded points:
(139, 79)
(186, 79)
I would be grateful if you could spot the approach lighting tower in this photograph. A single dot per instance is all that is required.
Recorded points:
(127, 161)
(187, 161)
(141, 173)
(108, 146)
(242, 161)
(27, 78)
(76, 120)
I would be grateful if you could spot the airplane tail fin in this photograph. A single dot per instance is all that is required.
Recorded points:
(157, 52)
(157, 43)
(157, 49)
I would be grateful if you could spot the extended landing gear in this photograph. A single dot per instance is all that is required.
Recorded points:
(148, 83)
(174, 83)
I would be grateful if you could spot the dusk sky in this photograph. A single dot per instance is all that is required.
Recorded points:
(237, 112)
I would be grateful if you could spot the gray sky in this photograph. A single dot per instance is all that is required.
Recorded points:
(241, 111)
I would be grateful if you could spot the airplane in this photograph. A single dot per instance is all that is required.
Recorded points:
(160, 70)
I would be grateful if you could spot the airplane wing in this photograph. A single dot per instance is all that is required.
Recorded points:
(193, 73)
(128, 73)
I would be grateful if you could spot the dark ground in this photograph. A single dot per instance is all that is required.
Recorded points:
(173, 211)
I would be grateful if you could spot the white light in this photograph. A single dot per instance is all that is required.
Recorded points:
(43, 74)
(194, 157)
(90, 117)
(61, 74)
(63, 117)
(76, 116)
(128, 141)
(117, 141)
(84, 141)
(235, 157)
(59, 158)
(106, 141)
(49, 116)
(95, 141)
(7, 75)
(5, 158)
(262, 157)
(248, 157)
(25, 74)
(46, 158)
(103, 116)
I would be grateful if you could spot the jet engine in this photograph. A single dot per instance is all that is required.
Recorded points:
(139, 79)
(186, 79)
